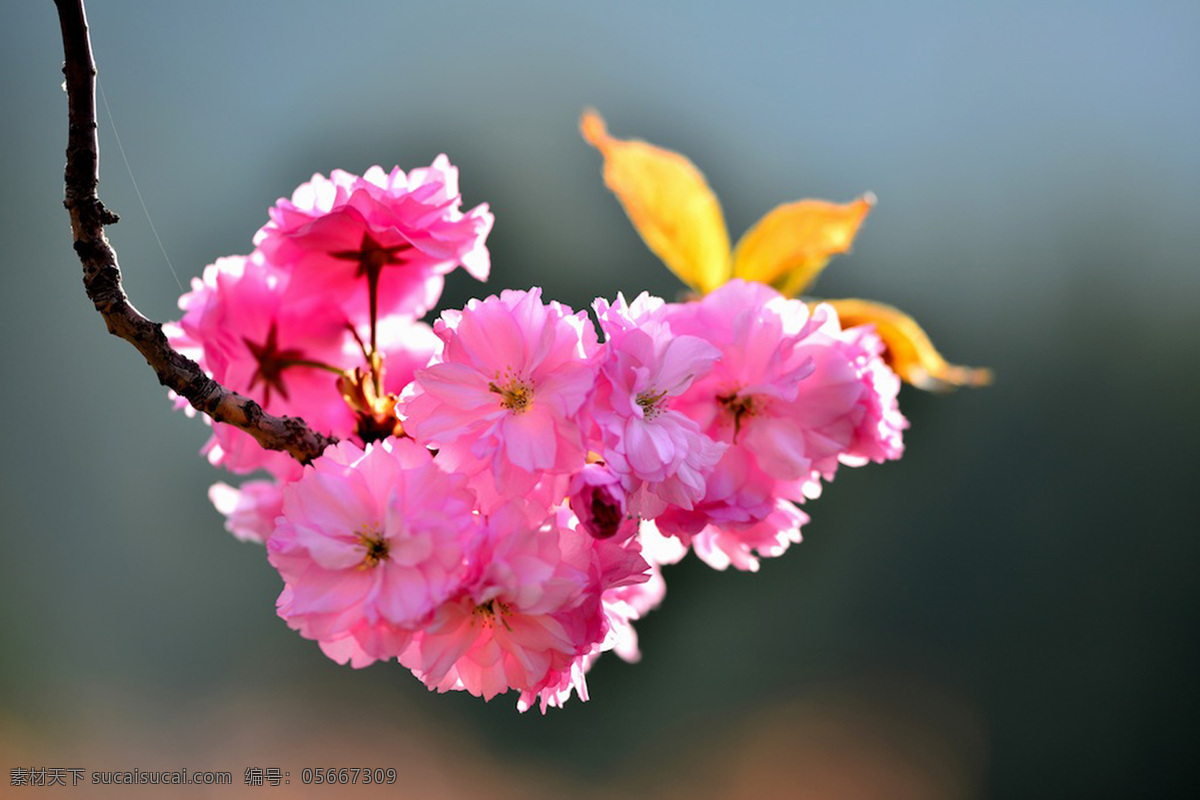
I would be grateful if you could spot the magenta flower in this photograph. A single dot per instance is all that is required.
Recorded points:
(381, 242)
(239, 327)
(370, 544)
(506, 392)
(284, 354)
(530, 615)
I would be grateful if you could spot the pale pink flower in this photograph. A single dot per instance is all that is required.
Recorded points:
(661, 453)
(506, 391)
(743, 512)
(403, 232)
(658, 548)
(371, 542)
(363, 643)
(572, 680)
(621, 573)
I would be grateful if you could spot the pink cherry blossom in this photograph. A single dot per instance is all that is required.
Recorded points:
(794, 396)
(661, 453)
(506, 392)
(878, 434)
(346, 237)
(530, 614)
(762, 366)
(371, 542)
(239, 328)
(845, 411)
(745, 402)
(250, 510)
(627, 599)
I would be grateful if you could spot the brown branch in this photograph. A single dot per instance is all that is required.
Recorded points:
(102, 275)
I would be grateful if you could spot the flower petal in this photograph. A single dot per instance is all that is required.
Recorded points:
(790, 246)
(669, 203)
(909, 351)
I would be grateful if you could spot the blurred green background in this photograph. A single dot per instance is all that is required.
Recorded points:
(1009, 612)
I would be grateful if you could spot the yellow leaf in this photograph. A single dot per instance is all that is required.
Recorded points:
(669, 203)
(909, 351)
(790, 246)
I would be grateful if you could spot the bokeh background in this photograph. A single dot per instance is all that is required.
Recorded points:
(1009, 612)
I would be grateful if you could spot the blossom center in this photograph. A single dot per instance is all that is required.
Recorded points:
(486, 613)
(372, 257)
(740, 407)
(271, 363)
(375, 544)
(515, 395)
(651, 403)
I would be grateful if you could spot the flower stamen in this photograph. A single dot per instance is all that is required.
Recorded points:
(651, 403)
(487, 613)
(375, 544)
(516, 395)
(739, 406)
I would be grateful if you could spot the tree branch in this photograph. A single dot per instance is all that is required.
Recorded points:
(102, 275)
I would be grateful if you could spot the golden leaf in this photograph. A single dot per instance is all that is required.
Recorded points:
(909, 351)
(669, 203)
(790, 246)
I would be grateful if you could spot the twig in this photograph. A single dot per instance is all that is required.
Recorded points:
(102, 275)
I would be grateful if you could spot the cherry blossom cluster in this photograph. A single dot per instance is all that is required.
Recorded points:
(509, 481)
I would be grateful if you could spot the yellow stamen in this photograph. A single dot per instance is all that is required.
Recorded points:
(651, 403)
(375, 544)
(515, 395)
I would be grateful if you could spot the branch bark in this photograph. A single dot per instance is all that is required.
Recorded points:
(102, 274)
